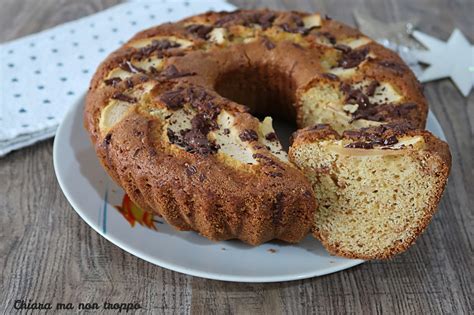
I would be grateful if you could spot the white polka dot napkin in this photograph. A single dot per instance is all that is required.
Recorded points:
(42, 75)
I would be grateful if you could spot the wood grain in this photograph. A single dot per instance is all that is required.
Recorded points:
(48, 253)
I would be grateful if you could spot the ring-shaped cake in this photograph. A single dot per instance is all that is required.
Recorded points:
(173, 116)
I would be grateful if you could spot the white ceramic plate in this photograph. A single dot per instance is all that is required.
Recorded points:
(95, 196)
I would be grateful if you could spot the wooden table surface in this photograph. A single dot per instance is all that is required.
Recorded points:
(47, 253)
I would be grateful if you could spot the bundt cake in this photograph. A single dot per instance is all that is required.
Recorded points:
(377, 187)
(173, 117)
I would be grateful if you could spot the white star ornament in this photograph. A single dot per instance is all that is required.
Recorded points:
(454, 59)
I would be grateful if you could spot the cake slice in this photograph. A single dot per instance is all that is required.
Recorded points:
(377, 187)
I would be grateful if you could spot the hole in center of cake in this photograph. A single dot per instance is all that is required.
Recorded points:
(267, 91)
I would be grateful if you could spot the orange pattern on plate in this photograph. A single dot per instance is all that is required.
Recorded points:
(133, 213)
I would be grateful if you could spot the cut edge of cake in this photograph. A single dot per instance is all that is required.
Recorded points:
(377, 188)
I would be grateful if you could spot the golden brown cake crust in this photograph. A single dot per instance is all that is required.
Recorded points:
(200, 193)
(438, 162)
(197, 191)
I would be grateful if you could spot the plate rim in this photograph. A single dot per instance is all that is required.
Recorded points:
(159, 262)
